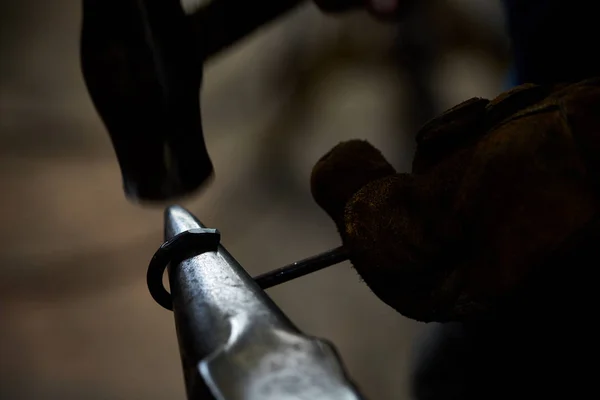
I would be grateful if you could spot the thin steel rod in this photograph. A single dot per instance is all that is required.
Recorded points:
(302, 267)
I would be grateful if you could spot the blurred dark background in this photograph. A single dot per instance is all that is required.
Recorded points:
(76, 319)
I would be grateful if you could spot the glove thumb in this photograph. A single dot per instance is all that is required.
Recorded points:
(342, 172)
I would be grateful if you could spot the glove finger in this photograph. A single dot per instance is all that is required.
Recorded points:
(342, 172)
(397, 229)
(446, 134)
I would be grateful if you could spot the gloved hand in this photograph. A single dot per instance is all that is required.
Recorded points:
(497, 187)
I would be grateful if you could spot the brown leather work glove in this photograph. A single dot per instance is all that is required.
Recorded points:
(497, 187)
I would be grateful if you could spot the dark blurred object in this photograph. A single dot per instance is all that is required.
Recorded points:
(553, 40)
(142, 63)
(335, 6)
(235, 343)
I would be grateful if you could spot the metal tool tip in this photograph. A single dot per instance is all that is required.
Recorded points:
(175, 211)
(177, 219)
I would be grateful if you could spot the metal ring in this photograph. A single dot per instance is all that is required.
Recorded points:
(184, 245)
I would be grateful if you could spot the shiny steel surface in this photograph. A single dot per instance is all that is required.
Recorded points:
(235, 342)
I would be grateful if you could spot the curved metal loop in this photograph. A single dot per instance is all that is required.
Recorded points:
(185, 245)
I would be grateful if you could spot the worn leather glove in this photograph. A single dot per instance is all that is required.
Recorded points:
(497, 189)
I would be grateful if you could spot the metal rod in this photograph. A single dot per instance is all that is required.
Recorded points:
(302, 267)
(235, 343)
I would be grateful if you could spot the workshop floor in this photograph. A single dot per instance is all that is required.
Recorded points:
(76, 319)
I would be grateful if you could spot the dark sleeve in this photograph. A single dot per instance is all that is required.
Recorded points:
(554, 40)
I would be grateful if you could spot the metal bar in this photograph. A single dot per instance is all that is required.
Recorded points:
(302, 267)
(235, 343)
